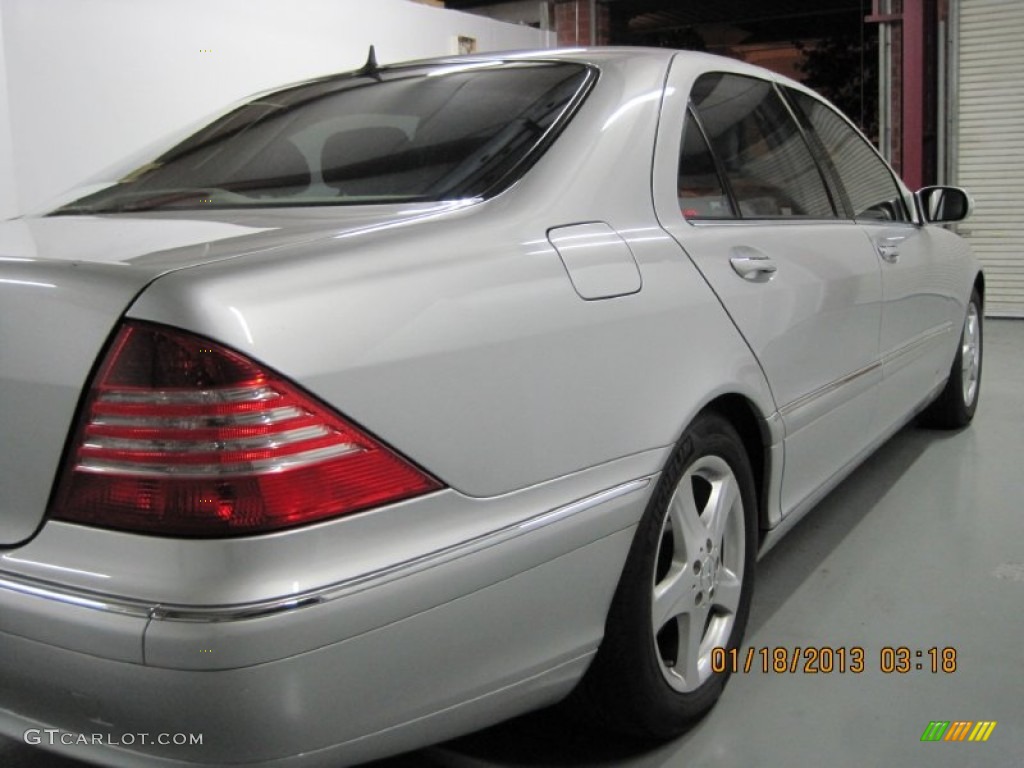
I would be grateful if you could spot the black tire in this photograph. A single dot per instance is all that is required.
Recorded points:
(634, 685)
(955, 406)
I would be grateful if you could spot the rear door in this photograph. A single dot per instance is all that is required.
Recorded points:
(738, 187)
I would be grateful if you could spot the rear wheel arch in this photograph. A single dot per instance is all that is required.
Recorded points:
(749, 423)
(686, 586)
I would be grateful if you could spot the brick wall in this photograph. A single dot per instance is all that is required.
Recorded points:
(573, 25)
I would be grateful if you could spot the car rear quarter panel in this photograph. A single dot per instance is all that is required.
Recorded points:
(460, 339)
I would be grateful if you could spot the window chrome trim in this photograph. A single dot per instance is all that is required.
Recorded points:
(218, 614)
(776, 221)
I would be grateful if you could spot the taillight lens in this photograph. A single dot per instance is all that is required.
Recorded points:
(180, 436)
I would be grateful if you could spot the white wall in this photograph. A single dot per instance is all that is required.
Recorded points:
(8, 194)
(89, 81)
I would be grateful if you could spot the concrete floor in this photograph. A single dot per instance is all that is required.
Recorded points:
(922, 547)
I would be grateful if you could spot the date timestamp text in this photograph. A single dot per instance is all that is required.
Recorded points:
(826, 660)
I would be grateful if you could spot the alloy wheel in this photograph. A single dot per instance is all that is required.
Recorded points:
(698, 575)
(970, 354)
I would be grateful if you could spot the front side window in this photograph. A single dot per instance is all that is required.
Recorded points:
(767, 163)
(872, 191)
(401, 135)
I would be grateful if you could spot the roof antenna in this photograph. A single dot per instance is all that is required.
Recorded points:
(370, 68)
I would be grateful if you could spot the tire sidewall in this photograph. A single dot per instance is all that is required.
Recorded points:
(665, 711)
(968, 410)
(948, 410)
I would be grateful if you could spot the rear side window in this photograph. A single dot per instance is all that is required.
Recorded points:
(766, 160)
(872, 191)
(701, 192)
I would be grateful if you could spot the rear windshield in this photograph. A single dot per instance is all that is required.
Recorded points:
(424, 134)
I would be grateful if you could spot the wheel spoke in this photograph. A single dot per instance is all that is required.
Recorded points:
(688, 530)
(674, 595)
(688, 656)
(723, 498)
(970, 356)
(726, 599)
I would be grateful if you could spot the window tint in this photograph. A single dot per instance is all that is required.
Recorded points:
(701, 194)
(868, 183)
(408, 134)
(767, 162)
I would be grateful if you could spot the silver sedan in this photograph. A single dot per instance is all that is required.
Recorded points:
(399, 402)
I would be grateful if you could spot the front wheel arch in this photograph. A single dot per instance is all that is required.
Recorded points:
(955, 405)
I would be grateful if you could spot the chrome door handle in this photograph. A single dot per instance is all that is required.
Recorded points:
(890, 253)
(756, 269)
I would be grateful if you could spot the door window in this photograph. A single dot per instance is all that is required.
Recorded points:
(872, 192)
(767, 163)
(701, 192)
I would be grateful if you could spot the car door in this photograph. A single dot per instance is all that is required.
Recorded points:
(752, 209)
(920, 315)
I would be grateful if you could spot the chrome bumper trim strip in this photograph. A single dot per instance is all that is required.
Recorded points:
(216, 614)
(887, 360)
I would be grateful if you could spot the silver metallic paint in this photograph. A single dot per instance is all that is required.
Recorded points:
(598, 260)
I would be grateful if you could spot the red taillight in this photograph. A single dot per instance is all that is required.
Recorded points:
(183, 437)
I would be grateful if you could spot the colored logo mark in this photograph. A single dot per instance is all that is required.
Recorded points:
(958, 730)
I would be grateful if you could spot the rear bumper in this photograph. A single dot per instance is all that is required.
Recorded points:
(427, 650)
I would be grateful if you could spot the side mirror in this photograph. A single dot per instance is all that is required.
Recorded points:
(943, 205)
